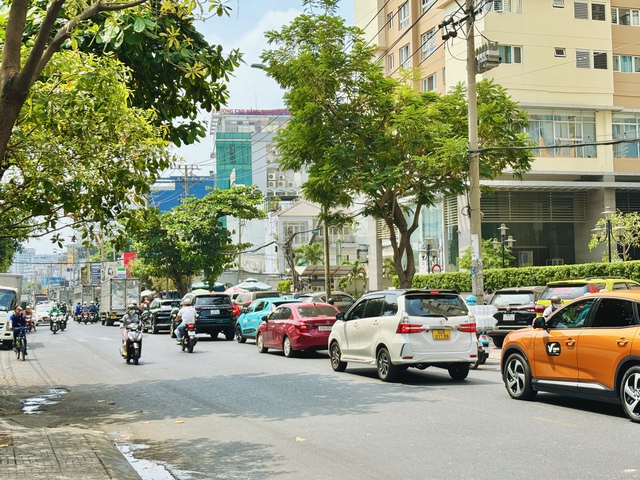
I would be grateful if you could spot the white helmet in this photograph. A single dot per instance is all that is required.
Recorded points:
(187, 301)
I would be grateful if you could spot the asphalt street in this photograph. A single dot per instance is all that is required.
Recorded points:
(227, 411)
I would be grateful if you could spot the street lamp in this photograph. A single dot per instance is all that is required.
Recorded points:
(503, 239)
(608, 230)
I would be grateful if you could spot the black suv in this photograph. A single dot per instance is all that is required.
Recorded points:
(215, 314)
(158, 315)
(516, 309)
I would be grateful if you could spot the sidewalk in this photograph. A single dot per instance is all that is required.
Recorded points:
(59, 453)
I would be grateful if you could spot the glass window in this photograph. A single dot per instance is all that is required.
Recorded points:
(358, 311)
(425, 305)
(430, 83)
(510, 54)
(598, 11)
(213, 300)
(390, 20)
(600, 60)
(560, 127)
(391, 61)
(624, 16)
(625, 126)
(582, 59)
(428, 43)
(405, 56)
(614, 312)
(427, 4)
(374, 307)
(316, 311)
(571, 316)
(581, 10)
(403, 14)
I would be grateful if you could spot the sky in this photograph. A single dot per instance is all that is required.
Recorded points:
(249, 88)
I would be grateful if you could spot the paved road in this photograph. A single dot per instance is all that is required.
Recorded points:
(227, 411)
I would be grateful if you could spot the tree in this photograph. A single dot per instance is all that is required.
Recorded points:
(625, 235)
(38, 30)
(388, 267)
(360, 133)
(491, 257)
(309, 254)
(358, 272)
(78, 152)
(190, 238)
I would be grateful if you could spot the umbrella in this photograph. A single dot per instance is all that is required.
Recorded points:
(234, 290)
(253, 285)
(145, 293)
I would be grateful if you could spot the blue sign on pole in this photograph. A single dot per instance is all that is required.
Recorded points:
(473, 270)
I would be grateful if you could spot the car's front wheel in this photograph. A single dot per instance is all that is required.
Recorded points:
(517, 378)
(260, 344)
(459, 371)
(630, 393)
(387, 371)
(336, 363)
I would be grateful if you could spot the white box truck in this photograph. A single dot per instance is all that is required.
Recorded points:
(115, 295)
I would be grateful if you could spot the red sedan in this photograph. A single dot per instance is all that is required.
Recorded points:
(296, 326)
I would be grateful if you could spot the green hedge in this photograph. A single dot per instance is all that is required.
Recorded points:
(497, 278)
(284, 286)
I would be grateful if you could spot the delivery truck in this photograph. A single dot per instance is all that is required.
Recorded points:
(115, 295)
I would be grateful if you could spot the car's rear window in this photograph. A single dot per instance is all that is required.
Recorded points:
(317, 311)
(171, 303)
(268, 295)
(565, 291)
(214, 300)
(512, 299)
(430, 304)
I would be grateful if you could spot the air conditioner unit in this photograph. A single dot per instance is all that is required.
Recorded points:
(271, 184)
(281, 177)
(272, 176)
(281, 184)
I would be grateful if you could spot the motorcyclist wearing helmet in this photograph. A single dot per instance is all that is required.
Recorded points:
(85, 307)
(556, 303)
(78, 309)
(93, 308)
(187, 314)
(132, 315)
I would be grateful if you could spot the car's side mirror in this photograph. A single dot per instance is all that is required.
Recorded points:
(243, 310)
(340, 316)
(265, 318)
(539, 322)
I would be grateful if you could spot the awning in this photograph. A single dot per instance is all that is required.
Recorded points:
(318, 270)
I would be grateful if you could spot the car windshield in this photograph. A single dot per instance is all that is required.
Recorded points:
(7, 300)
(565, 291)
(510, 299)
(430, 304)
(172, 303)
(317, 311)
(213, 300)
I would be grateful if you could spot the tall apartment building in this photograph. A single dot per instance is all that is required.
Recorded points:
(574, 66)
(23, 264)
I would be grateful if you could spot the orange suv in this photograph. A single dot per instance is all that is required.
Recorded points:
(588, 348)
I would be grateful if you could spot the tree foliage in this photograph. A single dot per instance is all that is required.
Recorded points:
(309, 254)
(491, 257)
(190, 239)
(359, 133)
(625, 235)
(78, 151)
(358, 273)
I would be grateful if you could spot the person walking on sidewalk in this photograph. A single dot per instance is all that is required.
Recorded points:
(18, 324)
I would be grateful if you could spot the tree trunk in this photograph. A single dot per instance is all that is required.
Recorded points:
(11, 102)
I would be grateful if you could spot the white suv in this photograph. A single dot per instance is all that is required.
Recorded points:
(397, 329)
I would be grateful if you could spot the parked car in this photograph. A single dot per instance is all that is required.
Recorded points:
(296, 326)
(516, 309)
(341, 300)
(567, 290)
(244, 299)
(215, 314)
(250, 317)
(397, 329)
(158, 315)
(587, 349)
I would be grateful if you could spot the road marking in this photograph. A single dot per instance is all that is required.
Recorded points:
(558, 422)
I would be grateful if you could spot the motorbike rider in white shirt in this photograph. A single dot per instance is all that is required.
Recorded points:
(187, 314)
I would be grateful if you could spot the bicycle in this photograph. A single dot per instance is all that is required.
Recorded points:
(21, 346)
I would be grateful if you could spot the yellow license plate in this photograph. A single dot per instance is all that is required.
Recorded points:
(441, 334)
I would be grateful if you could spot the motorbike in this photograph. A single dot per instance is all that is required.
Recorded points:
(483, 349)
(93, 317)
(132, 341)
(63, 321)
(31, 324)
(189, 339)
(55, 322)
(85, 317)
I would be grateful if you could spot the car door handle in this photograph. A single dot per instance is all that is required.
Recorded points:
(622, 342)
(570, 342)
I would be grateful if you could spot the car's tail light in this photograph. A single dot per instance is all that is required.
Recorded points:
(467, 327)
(593, 288)
(304, 327)
(407, 327)
(539, 309)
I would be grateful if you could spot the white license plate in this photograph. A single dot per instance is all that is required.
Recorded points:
(508, 317)
(215, 312)
(192, 333)
(136, 344)
(324, 328)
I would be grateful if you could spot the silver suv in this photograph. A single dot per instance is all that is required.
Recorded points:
(397, 329)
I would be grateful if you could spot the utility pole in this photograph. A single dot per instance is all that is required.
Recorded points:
(475, 213)
(186, 182)
(327, 257)
(240, 225)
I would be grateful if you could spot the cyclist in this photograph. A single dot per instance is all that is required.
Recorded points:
(18, 324)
